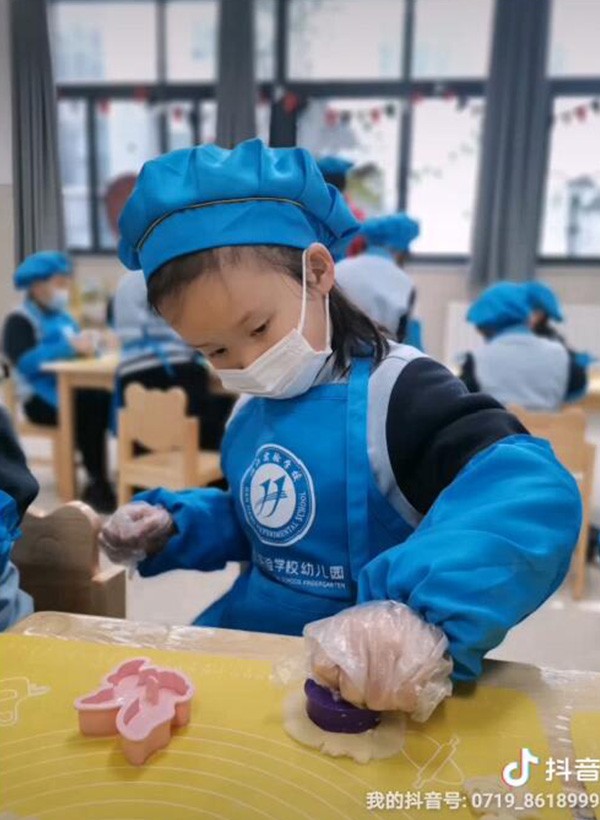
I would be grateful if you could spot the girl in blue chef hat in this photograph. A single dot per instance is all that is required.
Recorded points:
(516, 366)
(360, 471)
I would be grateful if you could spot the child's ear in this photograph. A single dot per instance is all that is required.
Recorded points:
(320, 268)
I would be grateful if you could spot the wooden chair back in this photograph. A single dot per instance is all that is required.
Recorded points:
(58, 560)
(566, 432)
(156, 420)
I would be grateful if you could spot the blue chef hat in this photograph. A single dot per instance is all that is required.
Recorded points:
(500, 306)
(541, 297)
(40, 266)
(208, 197)
(395, 231)
(334, 166)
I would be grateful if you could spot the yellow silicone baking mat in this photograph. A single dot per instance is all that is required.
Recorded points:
(234, 760)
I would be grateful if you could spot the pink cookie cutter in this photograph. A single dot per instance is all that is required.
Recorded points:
(140, 702)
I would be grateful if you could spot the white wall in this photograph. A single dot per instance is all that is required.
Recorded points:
(7, 296)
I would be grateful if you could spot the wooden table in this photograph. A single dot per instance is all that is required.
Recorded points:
(556, 693)
(76, 374)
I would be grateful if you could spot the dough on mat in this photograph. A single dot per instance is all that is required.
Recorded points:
(385, 740)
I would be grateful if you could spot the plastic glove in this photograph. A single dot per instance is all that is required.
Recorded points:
(381, 655)
(135, 531)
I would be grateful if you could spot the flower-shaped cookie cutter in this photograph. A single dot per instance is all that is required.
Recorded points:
(142, 703)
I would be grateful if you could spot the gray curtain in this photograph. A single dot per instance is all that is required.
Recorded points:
(39, 223)
(515, 136)
(236, 85)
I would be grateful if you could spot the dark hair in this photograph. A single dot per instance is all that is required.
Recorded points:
(338, 181)
(354, 334)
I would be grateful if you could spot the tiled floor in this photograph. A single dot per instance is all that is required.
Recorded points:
(563, 633)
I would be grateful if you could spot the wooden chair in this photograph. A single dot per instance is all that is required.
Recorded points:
(58, 560)
(566, 433)
(156, 420)
(27, 429)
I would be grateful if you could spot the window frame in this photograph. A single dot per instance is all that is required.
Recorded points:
(403, 90)
(566, 87)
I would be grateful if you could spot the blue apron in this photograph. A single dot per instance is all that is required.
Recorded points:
(304, 492)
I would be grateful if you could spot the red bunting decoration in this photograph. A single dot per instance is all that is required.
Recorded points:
(177, 113)
(141, 94)
(375, 114)
(578, 113)
(104, 106)
(331, 117)
(291, 102)
(417, 98)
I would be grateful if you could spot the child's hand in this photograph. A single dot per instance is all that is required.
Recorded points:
(381, 655)
(82, 344)
(135, 531)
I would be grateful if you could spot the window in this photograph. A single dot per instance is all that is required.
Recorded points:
(136, 78)
(191, 35)
(365, 131)
(442, 179)
(126, 136)
(574, 38)
(452, 38)
(341, 39)
(92, 41)
(74, 163)
(572, 215)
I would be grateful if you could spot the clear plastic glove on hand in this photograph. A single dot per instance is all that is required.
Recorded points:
(382, 656)
(135, 531)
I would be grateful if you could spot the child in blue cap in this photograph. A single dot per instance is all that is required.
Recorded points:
(39, 331)
(375, 280)
(516, 366)
(546, 310)
(360, 471)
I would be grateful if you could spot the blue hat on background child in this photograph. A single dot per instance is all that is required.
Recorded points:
(208, 197)
(395, 231)
(40, 266)
(541, 297)
(500, 306)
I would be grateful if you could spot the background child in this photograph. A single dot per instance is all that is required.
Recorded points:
(516, 366)
(41, 330)
(375, 281)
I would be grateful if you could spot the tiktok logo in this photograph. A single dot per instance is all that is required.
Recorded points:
(510, 773)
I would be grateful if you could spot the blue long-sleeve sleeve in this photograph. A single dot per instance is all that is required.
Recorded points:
(495, 544)
(14, 603)
(208, 531)
(31, 363)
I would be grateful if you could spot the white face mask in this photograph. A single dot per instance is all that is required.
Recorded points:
(287, 369)
(59, 299)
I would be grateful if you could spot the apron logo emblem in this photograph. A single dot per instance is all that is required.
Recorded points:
(277, 496)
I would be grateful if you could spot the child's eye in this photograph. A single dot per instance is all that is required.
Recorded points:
(260, 330)
(216, 353)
